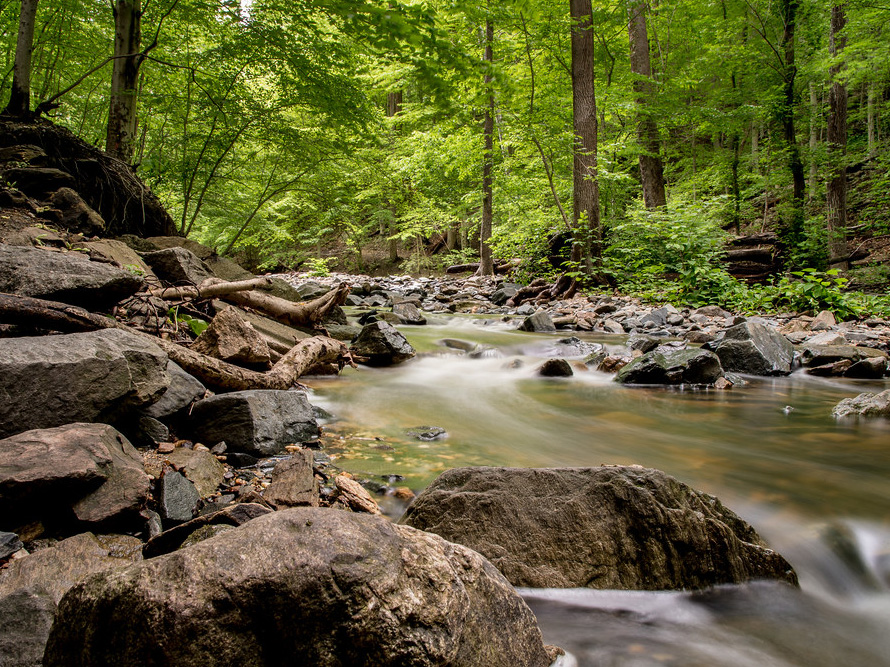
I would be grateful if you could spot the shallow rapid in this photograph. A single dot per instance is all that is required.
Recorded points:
(817, 489)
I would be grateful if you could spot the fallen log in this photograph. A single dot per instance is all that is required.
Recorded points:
(219, 374)
(208, 289)
(530, 291)
(306, 314)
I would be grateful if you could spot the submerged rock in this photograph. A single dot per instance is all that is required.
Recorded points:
(382, 344)
(751, 347)
(553, 368)
(305, 587)
(539, 322)
(864, 405)
(695, 366)
(622, 527)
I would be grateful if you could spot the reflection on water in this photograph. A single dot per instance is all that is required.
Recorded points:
(770, 450)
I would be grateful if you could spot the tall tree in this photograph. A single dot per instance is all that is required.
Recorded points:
(120, 140)
(587, 233)
(786, 113)
(20, 99)
(651, 167)
(836, 189)
(486, 265)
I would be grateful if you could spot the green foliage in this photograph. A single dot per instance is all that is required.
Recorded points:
(319, 266)
(195, 324)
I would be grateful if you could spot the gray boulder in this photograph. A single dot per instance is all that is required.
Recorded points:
(183, 390)
(694, 366)
(90, 470)
(382, 345)
(622, 527)
(98, 376)
(293, 482)
(821, 355)
(259, 422)
(31, 587)
(178, 266)
(305, 587)
(751, 347)
(232, 339)
(864, 405)
(408, 313)
(69, 277)
(75, 214)
(201, 468)
(539, 322)
(178, 498)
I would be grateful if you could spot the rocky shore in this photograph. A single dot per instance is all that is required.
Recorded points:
(156, 514)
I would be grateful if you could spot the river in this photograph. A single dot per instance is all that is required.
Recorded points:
(816, 489)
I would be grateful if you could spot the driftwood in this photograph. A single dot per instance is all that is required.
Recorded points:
(209, 289)
(499, 267)
(306, 314)
(533, 289)
(219, 374)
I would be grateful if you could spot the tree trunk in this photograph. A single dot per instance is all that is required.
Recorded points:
(871, 119)
(786, 112)
(121, 136)
(814, 136)
(394, 101)
(651, 168)
(306, 314)
(20, 97)
(486, 266)
(836, 189)
(587, 240)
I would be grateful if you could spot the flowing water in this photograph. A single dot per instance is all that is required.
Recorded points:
(817, 489)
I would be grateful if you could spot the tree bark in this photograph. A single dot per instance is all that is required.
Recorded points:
(219, 374)
(306, 314)
(120, 139)
(651, 167)
(211, 289)
(20, 98)
(587, 242)
(786, 113)
(814, 137)
(871, 119)
(836, 188)
(486, 266)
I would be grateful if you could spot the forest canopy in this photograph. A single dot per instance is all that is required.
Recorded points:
(640, 138)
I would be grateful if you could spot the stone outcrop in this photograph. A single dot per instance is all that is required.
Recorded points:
(261, 422)
(694, 366)
(88, 472)
(621, 527)
(751, 347)
(382, 345)
(864, 405)
(69, 277)
(307, 587)
(49, 381)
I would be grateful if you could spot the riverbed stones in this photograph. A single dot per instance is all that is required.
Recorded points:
(88, 471)
(311, 587)
(172, 539)
(621, 527)
(9, 544)
(69, 277)
(256, 422)
(177, 498)
(408, 313)
(183, 390)
(26, 617)
(97, 376)
(864, 405)
(695, 366)
(381, 344)
(751, 347)
(556, 368)
(201, 467)
(538, 322)
(293, 482)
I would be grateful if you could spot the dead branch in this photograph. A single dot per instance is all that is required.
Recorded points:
(306, 314)
(210, 288)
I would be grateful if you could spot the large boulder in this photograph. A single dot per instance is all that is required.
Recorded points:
(178, 266)
(381, 344)
(304, 587)
(184, 389)
(31, 587)
(97, 376)
(619, 527)
(751, 347)
(74, 213)
(88, 470)
(69, 277)
(694, 366)
(259, 422)
(539, 322)
(232, 339)
(864, 405)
